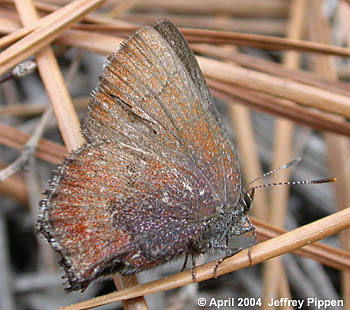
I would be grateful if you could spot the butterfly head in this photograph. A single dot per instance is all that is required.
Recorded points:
(246, 199)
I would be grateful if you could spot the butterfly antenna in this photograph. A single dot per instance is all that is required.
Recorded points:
(320, 181)
(285, 166)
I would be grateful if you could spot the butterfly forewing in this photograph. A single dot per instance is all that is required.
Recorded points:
(155, 84)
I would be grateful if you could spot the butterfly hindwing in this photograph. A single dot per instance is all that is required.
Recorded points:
(103, 207)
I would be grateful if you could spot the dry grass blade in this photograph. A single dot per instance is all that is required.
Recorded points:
(45, 34)
(273, 68)
(329, 256)
(15, 33)
(240, 7)
(53, 81)
(29, 149)
(87, 40)
(277, 246)
(46, 150)
(226, 23)
(299, 93)
(32, 109)
(93, 17)
(8, 22)
(20, 33)
(280, 107)
(265, 42)
(221, 37)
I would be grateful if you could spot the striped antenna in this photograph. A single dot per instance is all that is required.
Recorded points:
(320, 181)
(285, 166)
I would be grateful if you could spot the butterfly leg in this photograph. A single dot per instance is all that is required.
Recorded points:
(253, 240)
(234, 252)
(185, 263)
(194, 278)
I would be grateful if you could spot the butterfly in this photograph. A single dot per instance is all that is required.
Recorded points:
(158, 177)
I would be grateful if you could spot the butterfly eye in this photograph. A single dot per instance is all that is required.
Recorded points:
(247, 200)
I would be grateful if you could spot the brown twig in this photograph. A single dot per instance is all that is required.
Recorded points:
(45, 33)
(221, 37)
(46, 150)
(272, 68)
(21, 70)
(28, 150)
(32, 109)
(299, 93)
(280, 107)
